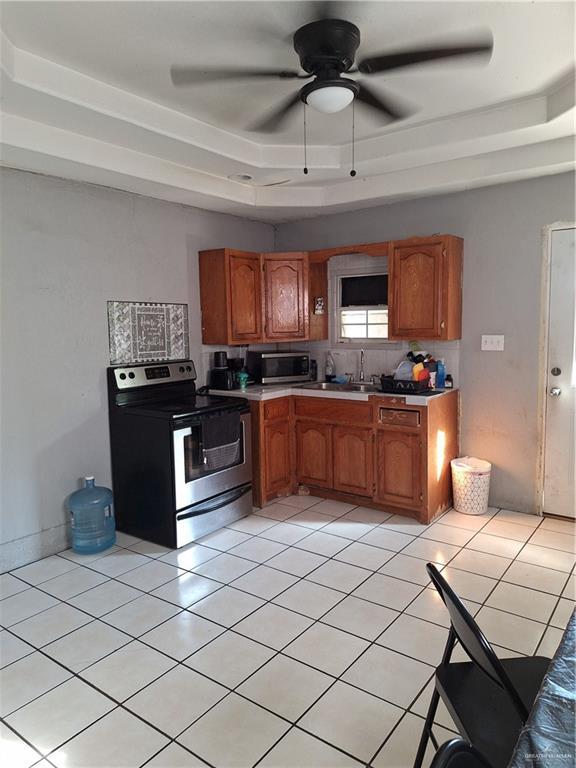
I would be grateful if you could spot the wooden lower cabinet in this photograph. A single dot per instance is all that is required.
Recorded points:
(272, 463)
(314, 453)
(277, 476)
(352, 460)
(381, 453)
(398, 463)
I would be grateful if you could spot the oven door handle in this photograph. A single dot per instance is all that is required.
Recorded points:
(215, 503)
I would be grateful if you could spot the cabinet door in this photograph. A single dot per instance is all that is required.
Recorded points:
(415, 298)
(286, 296)
(245, 298)
(276, 457)
(398, 465)
(353, 462)
(314, 453)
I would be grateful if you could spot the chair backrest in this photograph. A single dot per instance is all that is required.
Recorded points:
(472, 639)
(458, 754)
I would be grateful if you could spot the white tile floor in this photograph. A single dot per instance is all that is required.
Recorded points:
(304, 636)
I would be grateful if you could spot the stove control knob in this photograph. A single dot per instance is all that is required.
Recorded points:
(189, 369)
(131, 375)
(122, 376)
(181, 369)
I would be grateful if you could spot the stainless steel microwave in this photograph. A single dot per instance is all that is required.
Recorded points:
(278, 367)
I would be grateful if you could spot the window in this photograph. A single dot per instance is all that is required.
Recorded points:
(362, 313)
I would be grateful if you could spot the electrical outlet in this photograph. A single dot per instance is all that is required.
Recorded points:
(493, 343)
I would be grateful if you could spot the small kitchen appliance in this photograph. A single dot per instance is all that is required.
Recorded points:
(222, 378)
(278, 367)
(181, 462)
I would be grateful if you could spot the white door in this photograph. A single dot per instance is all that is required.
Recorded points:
(560, 411)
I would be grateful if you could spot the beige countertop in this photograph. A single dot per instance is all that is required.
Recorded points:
(273, 391)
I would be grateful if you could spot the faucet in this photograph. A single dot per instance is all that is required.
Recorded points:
(361, 374)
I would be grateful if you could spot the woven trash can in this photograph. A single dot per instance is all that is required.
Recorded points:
(470, 485)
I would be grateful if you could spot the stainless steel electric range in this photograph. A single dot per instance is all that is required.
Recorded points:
(181, 462)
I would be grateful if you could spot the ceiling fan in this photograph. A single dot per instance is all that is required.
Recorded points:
(327, 49)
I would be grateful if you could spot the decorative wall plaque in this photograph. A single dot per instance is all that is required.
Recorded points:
(319, 305)
(142, 332)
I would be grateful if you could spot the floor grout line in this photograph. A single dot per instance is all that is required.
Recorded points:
(277, 652)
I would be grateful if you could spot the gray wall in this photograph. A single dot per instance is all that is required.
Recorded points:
(502, 231)
(67, 248)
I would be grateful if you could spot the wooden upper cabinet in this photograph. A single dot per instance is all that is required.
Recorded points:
(425, 288)
(230, 296)
(245, 291)
(250, 298)
(352, 460)
(398, 464)
(285, 296)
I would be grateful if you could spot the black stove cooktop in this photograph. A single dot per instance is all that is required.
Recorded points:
(188, 406)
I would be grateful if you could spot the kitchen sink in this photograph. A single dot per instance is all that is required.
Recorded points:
(361, 387)
(325, 385)
(328, 386)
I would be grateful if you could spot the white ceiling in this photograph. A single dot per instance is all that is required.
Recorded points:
(87, 94)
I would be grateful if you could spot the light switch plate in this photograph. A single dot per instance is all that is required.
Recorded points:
(492, 343)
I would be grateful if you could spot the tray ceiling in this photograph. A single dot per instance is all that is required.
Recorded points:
(87, 95)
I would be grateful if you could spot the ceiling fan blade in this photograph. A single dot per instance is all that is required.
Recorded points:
(370, 99)
(389, 61)
(273, 120)
(190, 76)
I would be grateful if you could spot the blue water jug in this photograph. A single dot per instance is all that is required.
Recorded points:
(92, 518)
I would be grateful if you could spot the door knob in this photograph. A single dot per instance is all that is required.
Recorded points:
(555, 391)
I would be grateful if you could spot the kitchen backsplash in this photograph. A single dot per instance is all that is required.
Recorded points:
(377, 361)
(380, 360)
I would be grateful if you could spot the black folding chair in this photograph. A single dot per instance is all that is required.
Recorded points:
(488, 698)
(458, 754)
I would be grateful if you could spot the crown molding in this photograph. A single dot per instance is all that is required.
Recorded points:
(57, 120)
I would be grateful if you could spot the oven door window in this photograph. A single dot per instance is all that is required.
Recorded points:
(200, 461)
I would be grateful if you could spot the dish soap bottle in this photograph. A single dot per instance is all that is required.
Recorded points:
(440, 374)
(330, 368)
(91, 518)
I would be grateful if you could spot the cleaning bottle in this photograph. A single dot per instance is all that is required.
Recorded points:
(440, 374)
(330, 366)
(91, 518)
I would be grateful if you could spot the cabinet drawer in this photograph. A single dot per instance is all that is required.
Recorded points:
(276, 409)
(334, 410)
(404, 418)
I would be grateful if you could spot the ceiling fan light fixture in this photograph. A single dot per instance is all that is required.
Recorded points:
(329, 96)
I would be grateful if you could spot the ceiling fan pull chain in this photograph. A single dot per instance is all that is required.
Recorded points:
(305, 159)
(353, 171)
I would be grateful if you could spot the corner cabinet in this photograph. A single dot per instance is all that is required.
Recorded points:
(425, 288)
(285, 296)
(251, 298)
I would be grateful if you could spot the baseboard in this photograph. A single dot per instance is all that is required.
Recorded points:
(27, 549)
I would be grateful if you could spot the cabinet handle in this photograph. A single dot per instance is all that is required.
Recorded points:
(443, 324)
